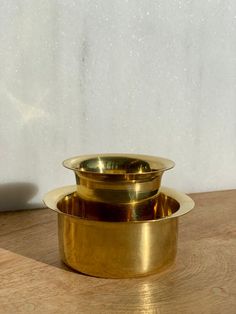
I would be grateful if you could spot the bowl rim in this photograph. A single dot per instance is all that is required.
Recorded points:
(166, 163)
(52, 198)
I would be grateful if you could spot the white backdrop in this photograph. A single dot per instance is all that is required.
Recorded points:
(152, 77)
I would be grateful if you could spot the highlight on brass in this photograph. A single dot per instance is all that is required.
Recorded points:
(115, 165)
(118, 178)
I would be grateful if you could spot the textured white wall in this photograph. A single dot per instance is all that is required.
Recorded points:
(153, 77)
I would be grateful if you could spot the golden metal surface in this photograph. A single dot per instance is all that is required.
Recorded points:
(118, 178)
(158, 207)
(117, 249)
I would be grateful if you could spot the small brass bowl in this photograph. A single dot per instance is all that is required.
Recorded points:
(118, 178)
(117, 249)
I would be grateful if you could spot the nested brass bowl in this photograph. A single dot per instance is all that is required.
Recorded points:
(118, 178)
(121, 248)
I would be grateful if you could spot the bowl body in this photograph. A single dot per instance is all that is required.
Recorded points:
(118, 178)
(118, 249)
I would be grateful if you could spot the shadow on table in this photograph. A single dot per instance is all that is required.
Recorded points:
(24, 228)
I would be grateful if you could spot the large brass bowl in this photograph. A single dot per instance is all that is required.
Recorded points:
(118, 178)
(117, 249)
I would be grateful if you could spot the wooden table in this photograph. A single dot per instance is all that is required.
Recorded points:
(202, 280)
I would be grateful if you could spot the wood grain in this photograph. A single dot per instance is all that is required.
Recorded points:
(202, 280)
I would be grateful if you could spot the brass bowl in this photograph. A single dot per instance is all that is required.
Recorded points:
(118, 178)
(117, 249)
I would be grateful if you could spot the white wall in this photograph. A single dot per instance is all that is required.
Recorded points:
(153, 77)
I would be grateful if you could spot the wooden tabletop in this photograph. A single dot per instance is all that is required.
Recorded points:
(202, 280)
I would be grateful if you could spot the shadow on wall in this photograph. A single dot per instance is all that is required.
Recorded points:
(17, 195)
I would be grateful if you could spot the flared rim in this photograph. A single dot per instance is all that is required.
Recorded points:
(186, 204)
(147, 164)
